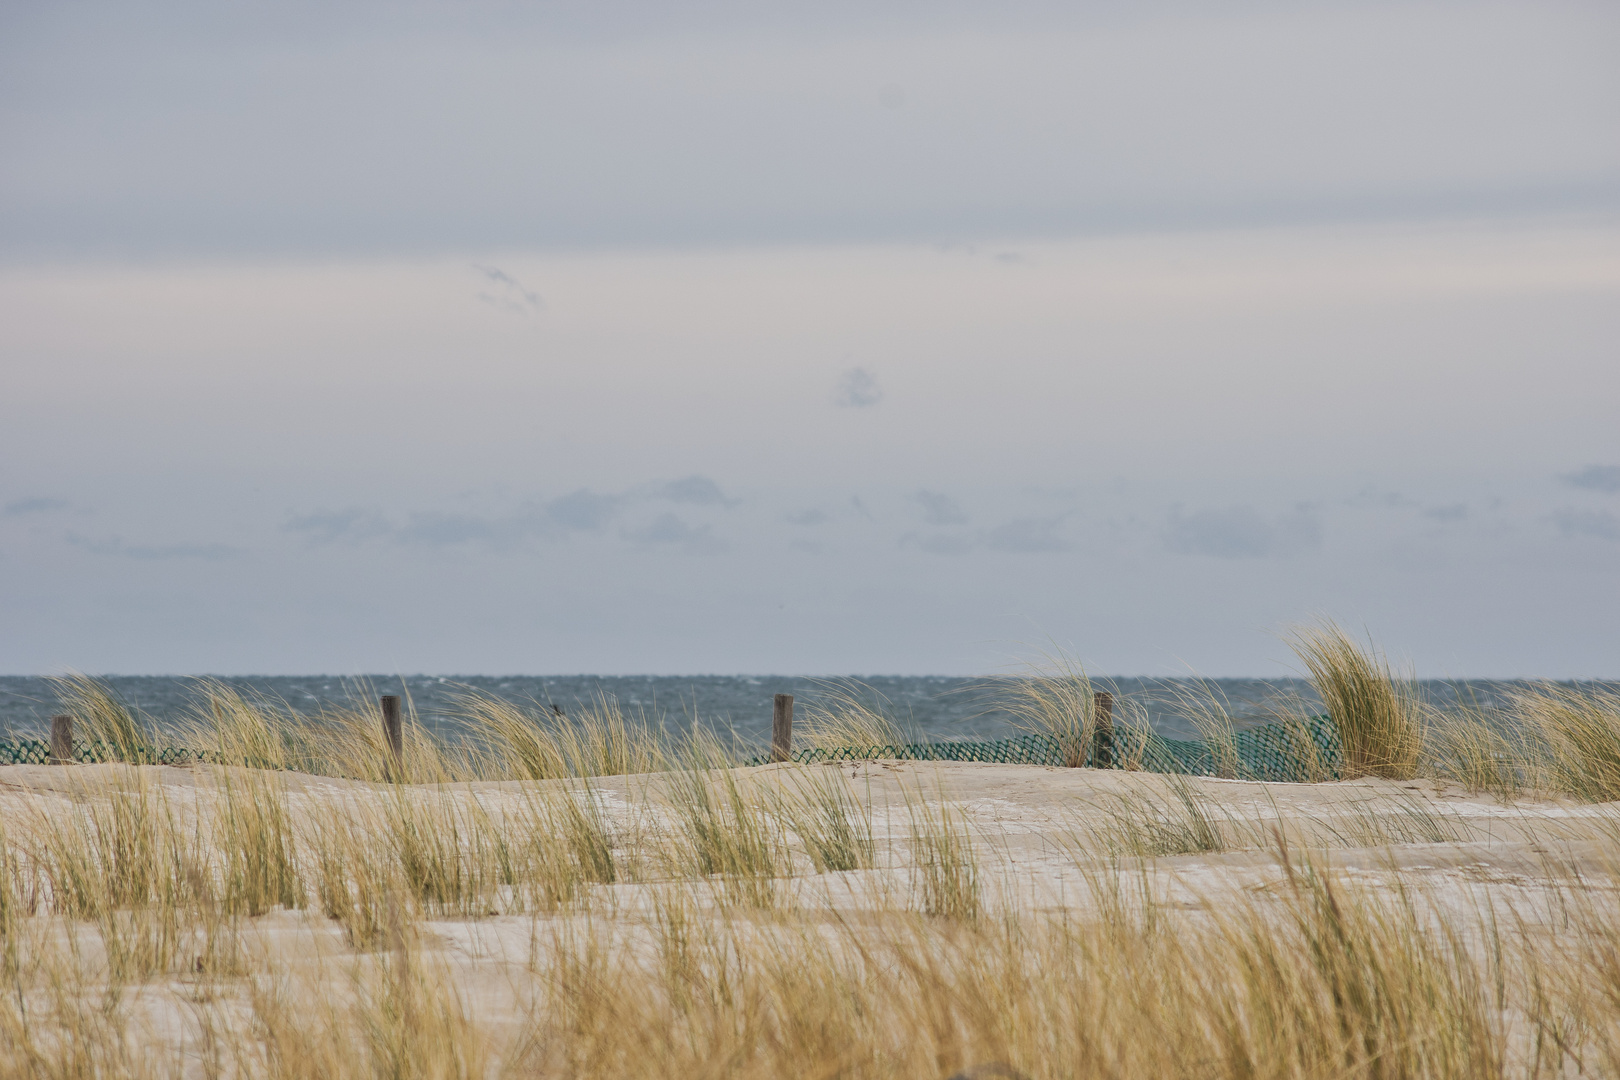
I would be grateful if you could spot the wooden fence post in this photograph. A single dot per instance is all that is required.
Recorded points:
(782, 727)
(1102, 755)
(394, 732)
(61, 740)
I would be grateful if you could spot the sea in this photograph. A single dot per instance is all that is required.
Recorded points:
(737, 707)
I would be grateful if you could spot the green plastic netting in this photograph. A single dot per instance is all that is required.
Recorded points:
(38, 752)
(1290, 751)
(1301, 750)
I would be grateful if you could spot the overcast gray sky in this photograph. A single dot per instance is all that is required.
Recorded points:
(595, 337)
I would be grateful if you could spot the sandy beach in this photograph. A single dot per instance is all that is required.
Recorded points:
(959, 857)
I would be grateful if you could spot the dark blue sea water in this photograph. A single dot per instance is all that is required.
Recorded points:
(929, 707)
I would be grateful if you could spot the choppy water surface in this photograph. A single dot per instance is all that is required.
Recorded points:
(929, 707)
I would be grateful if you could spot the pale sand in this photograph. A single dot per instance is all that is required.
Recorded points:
(1041, 836)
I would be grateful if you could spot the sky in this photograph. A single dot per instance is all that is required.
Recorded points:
(621, 337)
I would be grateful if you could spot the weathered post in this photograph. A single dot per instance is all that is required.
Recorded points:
(61, 740)
(782, 727)
(394, 733)
(1102, 755)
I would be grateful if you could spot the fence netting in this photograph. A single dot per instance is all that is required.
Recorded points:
(1301, 750)
(38, 752)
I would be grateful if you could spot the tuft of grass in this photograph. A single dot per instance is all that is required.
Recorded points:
(1204, 704)
(254, 834)
(231, 727)
(1481, 750)
(404, 1018)
(1402, 819)
(1354, 984)
(357, 884)
(597, 739)
(947, 868)
(441, 845)
(1578, 728)
(1056, 699)
(520, 743)
(119, 860)
(109, 850)
(13, 905)
(100, 718)
(849, 715)
(1379, 719)
(725, 831)
(829, 821)
(1142, 827)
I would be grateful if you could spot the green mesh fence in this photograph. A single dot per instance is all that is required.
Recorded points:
(1290, 751)
(38, 752)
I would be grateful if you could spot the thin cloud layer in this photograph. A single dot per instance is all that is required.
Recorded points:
(940, 509)
(1600, 524)
(35, 505)
(155, 552)
(580, 511)
(525, 304)
(1029, 535)
(670, 530)
(697, 490)
(1241, 532)
(221, 130)
(1604, 478)
(857, 389)
(505, 292)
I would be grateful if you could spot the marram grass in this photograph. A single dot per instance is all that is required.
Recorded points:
(356, 930)
(583, 897)
(1379, 716)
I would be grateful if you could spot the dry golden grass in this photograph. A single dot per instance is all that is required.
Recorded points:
(100, 719)
(1054, 698)
(220, 921)
(503, 915)
(535, 743)
(1577, 730)
(848, 716)
(1379, 717)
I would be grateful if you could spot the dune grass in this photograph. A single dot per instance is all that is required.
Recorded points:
(1563, 737)
(100, 718)
(948, 878)
(848, 716)
(725, 971)
(1379, 717)
(726, 830)
(1147, 824)
(509, 913)
(1203, 704)
(820, 808)
(1055, 698)
(536, 743)
(1577, 731)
